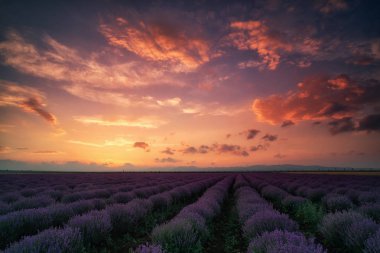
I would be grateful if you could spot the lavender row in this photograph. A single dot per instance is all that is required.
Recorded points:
(361, 190)
(266, 229)
(342, 231)
(118, 197)
(27, 222)
(96, 226)
(364, 202)
(187, 231)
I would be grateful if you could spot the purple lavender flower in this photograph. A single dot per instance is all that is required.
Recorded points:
(279, 241)
(345, 230)
(372, 244)
(95, 226)
(52, 240)
(266, 221)
(149, 249)
(335, 202)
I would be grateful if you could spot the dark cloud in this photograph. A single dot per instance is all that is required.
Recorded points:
(168, 151)
(216, 148)
(36, 106)
(232, 149)
(370, 123)
(252, 133)
(258, 147)
(270, 137)
(202, 149)
(190, 150)
(166, 160)
(338, 126)
(287, 123)
(141, 144)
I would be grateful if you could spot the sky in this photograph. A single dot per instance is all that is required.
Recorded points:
(190, 83)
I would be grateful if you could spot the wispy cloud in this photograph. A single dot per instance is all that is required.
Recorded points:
(121, 121)
(117, 142)
(27, 98)
(159, 40)
(268, 43)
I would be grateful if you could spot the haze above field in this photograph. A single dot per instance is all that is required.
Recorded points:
(176, 84)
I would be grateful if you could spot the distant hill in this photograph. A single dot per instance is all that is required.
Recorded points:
(13, 166)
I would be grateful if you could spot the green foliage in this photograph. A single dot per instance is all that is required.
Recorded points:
(308, 216)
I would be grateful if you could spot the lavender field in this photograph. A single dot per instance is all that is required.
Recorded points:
(189, 212)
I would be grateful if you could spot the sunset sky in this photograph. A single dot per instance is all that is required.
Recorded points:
(190, 83)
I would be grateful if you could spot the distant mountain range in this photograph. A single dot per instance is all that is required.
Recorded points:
(12, 166)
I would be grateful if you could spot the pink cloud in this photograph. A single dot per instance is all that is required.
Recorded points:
(268, 43)
(319, 99)
(158, 40)
(27, 98)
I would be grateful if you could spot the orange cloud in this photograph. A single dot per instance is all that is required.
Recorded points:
(158, 41)
(319, 99)
(269, 44)
(85, 77)
(26, 98)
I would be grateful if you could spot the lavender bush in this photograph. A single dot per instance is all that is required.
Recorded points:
(371, 210)
(346, 231)
(372, 244)
(335, 202)
(95, 226)
(149, 249)
(283, 242)
(66, 240)
(267, 221)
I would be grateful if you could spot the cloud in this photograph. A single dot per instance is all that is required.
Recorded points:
(159, 39)
(258, 147)
(166, 160)
(168, 151)
(250, 133)
(202, 149)
(270, 137)
(5, 150)
(279, 156)
(45, 152)
(342, 125)
(121, 121)
(329, 6)
(27, 98)
(232, 149)
(287, 123)
(117, 142)
(85, 77)
(216, 148)
(170, 102)
(269, 44)
(141, 144)
(319, 99)
(369, 123)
